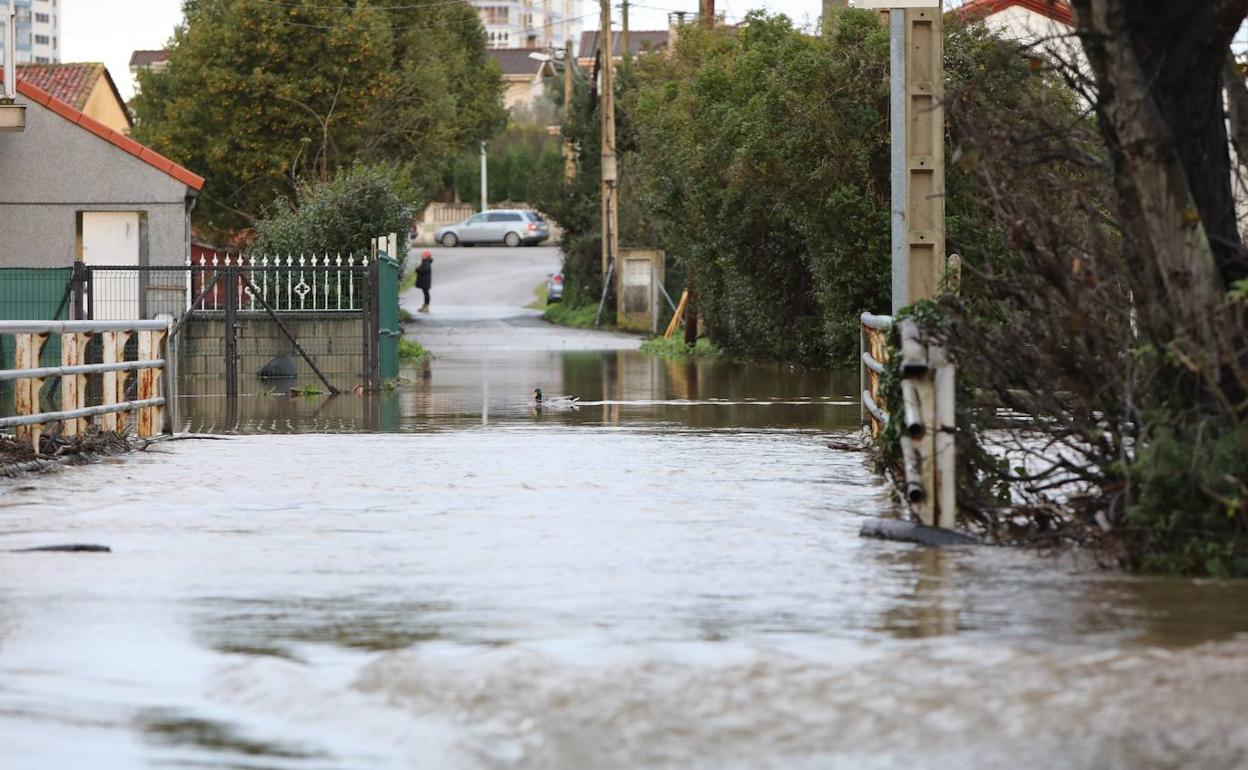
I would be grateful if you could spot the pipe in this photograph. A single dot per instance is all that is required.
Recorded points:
(74, 414)
(61, 371)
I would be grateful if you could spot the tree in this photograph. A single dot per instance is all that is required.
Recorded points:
(258, 95)
(338, 217)
(1116, 323)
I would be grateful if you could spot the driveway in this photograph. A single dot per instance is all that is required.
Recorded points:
(480, 300)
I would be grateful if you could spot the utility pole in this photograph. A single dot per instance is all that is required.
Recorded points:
(547, 27)
(706, 12)
(610, 206)
(484, 179)
(625, 49)
(569, 152)
(917, 119)
(829, 7)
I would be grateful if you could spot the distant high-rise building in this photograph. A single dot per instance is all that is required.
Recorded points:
(529, 23)
(38, 30)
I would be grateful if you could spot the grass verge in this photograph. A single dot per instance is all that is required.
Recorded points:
(578, 316)
(411, 351)
(675, 347)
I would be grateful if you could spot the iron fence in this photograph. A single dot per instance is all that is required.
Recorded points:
(290, 284)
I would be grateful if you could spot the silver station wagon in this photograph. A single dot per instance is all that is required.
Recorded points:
(510, 226)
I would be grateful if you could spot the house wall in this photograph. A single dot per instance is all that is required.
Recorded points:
(56, 169)
(102, 105)
(1047, 35)
(521, 92)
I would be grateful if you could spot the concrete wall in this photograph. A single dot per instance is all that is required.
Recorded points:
(55, 169)
(335, 342)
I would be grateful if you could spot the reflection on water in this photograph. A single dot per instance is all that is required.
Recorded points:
(457, 389)
(668, 577)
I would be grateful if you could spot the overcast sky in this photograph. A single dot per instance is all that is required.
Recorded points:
(108, 30)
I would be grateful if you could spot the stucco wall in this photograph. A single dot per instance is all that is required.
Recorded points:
(55, 169)
(102, 105)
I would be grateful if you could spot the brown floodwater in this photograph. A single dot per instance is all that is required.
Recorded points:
(669, 576)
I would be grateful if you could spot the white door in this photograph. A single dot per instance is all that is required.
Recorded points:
(112, 238)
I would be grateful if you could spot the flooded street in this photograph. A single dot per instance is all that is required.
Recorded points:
(669, 577)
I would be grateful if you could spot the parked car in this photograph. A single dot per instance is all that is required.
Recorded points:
(554, 288)
(510, 226)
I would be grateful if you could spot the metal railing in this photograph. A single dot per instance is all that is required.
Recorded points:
(928, 418)
(285, 284)
(146, 413)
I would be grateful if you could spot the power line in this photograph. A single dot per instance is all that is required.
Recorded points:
(466, 20)
(315, 6)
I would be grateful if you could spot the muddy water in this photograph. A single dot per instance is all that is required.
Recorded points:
(669, 577)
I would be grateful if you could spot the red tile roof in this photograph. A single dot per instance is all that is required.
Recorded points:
(145, 154)
(72, 83)
(1057, 10)
(148, 58)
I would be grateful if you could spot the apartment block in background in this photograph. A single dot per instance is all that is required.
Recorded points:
(38, 30)
(529, 23)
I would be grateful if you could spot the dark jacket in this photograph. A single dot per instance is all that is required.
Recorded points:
(424, 274)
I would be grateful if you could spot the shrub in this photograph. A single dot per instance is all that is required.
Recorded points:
(340, 216)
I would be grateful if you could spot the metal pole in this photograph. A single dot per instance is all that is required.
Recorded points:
(897, 125)
(484, 179)
(231, 341)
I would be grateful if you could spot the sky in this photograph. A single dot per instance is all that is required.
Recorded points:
(109, 30)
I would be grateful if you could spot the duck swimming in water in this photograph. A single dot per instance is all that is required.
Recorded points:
(553, 402)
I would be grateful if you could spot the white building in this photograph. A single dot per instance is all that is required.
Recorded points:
(530, 23)
(38, 30)
(1047, 27)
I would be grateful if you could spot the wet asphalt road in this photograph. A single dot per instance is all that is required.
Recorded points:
(484, 299)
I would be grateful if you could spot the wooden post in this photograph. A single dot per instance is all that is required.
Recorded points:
(120, 341)
(156, 414)
(925, 152)
(146, 389)
(26, 394)
(677, 314)
(626, 51)
(610, 175)
(706, 12)
(109, 342)
(73, 386)
(569, 153)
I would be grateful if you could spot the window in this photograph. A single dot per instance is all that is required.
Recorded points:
(476, 219)
(42, 60)
(43, 18)
(495, 15)
(505, 218)
(42, 40)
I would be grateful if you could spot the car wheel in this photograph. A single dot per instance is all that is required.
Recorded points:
(512, 240)
(450, 240)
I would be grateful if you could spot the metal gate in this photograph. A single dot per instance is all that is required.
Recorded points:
(320, 311)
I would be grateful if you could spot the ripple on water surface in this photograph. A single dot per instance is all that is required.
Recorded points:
(668, 579)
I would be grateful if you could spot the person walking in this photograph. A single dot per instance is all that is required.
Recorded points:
(424, 278)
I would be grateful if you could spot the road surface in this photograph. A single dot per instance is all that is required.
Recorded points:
(481, 302)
